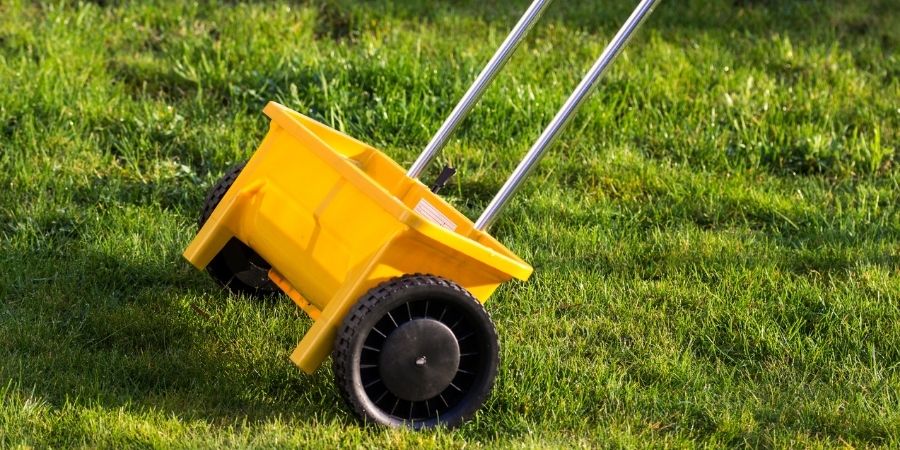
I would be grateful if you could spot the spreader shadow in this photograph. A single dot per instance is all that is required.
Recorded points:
(153, 336)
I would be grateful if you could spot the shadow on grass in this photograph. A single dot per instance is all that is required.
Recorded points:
(151, 335)
(345, 19)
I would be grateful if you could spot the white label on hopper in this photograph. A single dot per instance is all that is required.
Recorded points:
(435, 215)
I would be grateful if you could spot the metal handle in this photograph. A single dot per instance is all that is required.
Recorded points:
(499, 202)
(487, 75)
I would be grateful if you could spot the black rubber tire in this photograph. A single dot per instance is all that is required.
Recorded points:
(390, 305)
(236, 267)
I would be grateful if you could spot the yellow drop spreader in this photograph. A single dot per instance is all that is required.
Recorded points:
(393, 276)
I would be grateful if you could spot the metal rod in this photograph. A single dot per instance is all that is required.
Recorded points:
(484, 79)
(549, 135)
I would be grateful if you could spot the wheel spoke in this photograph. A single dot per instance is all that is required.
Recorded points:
(372, 383)
(392, 319)
(465, 337)
(366, 347)
(408, 311)
(375, 329)
(444, 400)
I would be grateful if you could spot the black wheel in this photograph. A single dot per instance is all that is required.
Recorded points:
(236, 267)
(416, 351)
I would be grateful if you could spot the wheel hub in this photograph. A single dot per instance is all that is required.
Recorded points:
(419, 359)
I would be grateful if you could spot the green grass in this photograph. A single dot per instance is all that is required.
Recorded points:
(716, 237)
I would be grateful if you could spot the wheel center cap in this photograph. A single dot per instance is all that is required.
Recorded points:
(419, 359)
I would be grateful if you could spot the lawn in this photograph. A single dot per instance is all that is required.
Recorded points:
(716, 237)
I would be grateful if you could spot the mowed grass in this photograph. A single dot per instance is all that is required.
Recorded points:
(716, 237)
